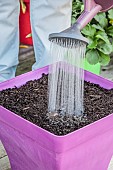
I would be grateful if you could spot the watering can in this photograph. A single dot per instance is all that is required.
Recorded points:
(73, 34)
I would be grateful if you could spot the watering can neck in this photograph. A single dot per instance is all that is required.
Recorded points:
(91, 8)
(89, 5)
(88, 14)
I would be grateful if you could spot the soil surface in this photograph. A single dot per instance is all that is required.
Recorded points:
(30, 102)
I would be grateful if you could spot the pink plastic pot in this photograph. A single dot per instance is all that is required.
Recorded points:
(30, 147)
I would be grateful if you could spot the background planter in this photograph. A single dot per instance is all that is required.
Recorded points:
(31, 147)
(24, 24)
(92, 68)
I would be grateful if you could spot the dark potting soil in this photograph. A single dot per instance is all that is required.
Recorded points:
(30, 102)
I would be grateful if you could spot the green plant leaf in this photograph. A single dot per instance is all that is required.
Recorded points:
(82, 8)
(72, 20)
(92, 43)
(98, 27)
(104, 59)
(101, 19)
(103, 36)
(109, 31)
(88, 30)
(110, 14)
(29, 35)
(104, 47)
(77, 8)
(111, 21)
(92, 57)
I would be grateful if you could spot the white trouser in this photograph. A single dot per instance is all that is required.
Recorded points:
(47, 16)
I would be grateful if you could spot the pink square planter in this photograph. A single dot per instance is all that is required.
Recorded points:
(30, 147)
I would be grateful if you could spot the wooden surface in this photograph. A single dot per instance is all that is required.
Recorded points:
(4, 161)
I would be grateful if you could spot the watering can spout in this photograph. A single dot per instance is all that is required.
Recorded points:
(91, 8)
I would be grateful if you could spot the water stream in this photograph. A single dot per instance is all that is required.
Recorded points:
(66, 78)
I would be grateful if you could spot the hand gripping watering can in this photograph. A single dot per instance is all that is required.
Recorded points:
(72, 34)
